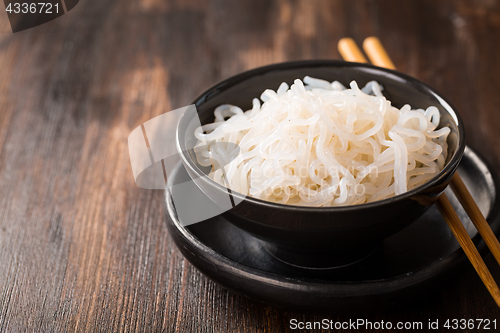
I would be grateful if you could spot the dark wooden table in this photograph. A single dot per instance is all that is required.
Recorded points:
(82, 248)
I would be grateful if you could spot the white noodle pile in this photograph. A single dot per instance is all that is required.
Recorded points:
(323, 145)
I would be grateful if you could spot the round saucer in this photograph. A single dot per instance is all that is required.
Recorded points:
(405, 266)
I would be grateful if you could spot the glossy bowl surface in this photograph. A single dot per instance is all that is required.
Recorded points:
(299, 234)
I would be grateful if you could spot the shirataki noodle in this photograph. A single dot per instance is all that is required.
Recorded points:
(317, 143)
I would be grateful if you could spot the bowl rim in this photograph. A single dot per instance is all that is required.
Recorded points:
(449, 168)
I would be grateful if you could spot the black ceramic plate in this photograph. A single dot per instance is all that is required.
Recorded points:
(406, 265)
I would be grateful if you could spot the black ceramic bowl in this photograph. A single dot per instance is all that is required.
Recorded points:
(322, 236)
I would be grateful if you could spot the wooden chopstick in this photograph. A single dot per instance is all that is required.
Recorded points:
(477, 218)
(376, 52)
(350, 51)
(379, 57)
(458, 230)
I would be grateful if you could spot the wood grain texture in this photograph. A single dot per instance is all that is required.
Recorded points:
(83, 249)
